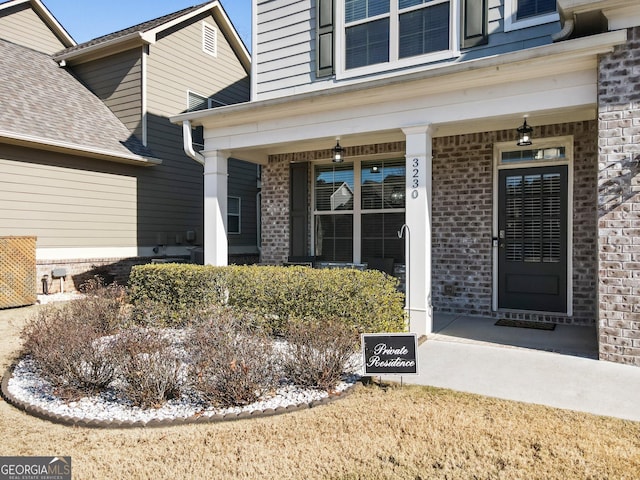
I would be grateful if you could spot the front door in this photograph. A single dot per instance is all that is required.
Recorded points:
(532, 239)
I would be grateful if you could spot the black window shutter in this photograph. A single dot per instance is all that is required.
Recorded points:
(474, 23)
(324, 38)
(298, 209)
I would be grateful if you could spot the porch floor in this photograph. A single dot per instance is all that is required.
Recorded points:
(556, 368)
(574, 340)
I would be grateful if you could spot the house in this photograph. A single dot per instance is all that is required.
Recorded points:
(90, 163)
(510, 131)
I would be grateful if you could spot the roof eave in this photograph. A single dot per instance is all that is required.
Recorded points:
(524, 59)
(79, 150)
(103, 49)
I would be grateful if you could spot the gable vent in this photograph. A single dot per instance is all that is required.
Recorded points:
(210, 39)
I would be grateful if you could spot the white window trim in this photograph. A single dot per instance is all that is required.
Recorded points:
(551, 142)
(357, 211)
(511, 11)
(214, 31)
(239, 215)
(394, 62)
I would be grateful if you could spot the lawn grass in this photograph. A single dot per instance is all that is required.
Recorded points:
(375, 433)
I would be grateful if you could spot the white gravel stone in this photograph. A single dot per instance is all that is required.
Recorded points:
(27, 386)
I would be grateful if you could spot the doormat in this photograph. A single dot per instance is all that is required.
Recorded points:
(526, 324)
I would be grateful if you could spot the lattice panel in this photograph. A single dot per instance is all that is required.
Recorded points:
(18, 284)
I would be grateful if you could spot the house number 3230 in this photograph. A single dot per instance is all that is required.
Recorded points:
(415, 177)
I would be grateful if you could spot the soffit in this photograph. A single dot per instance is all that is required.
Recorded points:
(540, 62)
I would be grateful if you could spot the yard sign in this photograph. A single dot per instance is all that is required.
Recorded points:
(390, 353)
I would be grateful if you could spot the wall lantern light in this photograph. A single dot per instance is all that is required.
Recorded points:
(524, 134)
(338, 153)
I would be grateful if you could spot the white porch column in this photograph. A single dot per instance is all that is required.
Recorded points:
(215, 208)
(418, 219)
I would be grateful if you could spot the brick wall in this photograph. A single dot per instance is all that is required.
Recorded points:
(463, 216)
(619, 202)
(80, 270)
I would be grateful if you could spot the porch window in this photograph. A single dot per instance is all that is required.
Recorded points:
(381, 31)
(334, 197)
(366, 197)
(383, 209)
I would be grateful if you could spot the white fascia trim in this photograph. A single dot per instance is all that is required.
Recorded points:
(57, 145)
(102, 45)
(314, 101)
(144, 107)
(79, 253)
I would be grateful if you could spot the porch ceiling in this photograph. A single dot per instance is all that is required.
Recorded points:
(551, 84)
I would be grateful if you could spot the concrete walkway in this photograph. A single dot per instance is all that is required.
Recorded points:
(556, 368)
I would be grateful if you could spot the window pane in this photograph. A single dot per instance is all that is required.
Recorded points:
(424, 31)
(233, 224)
(360, 9)
(530, 8)
(367, 44)
(380, 236)
(233, 206)
(334, 188)
(383, 184)
(534, 155)
(334, 237)
(411, 3)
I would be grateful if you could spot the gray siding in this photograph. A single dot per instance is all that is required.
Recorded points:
(243, 179)
(178, 64)
(67, 201)
(117, 81)
(284, 59)
(23, 26)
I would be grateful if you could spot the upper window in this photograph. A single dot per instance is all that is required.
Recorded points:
(402, 32)
(528, 13)
(209, 39)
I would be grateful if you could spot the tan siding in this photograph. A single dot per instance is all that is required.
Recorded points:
(117, 80)
(177, 64)
(23, 26)
(65, 206)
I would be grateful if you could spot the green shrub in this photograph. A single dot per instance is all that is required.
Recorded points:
(367, 300)
(168, 295)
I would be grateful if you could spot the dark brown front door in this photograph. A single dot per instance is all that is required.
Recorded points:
(532, 239)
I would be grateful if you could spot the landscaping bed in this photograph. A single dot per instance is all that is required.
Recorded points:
(119, 357)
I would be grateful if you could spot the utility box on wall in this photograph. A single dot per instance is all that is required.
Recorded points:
(18, 285)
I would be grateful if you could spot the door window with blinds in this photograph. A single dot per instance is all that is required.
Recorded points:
(533, 217)
(366, 197)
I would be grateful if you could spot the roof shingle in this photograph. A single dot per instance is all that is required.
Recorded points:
(42, 100)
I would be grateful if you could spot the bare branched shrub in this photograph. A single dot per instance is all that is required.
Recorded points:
(233, 363)
(149, 367)
(103, 306)
(66, 343)
(319, 352)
